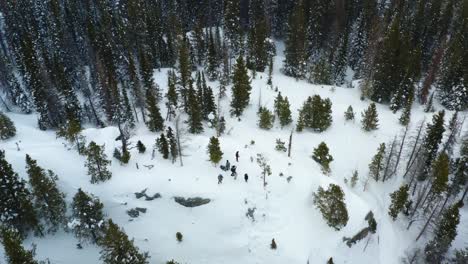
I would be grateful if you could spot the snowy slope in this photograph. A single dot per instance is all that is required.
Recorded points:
(219, 232)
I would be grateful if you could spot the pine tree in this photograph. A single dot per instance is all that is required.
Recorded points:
(322, 156)
(117, 248)
(270, 72)
(171, 96)
(87, 217)
(315, 114)
(257, 37)
(434, 134)
(173, 148)
(296, 52)
(399, 201)
(266, 118)
(97, 163)
(340, 60)
(445, 233)
(331, 204)
(16, 208)
(349, 114)
(15, 253)
(376, 165)
(370, 119)
(163, 146)
(155, 121)
(195, 112)
(322, 72)
(405, 115)
(240, 89)
(429, 107)
(440, 174)
(212, 62)
(209, 105)
(7, 127)
(282, 110)
(214, 150)
(48, 199)
(232, 25)
(141, 147)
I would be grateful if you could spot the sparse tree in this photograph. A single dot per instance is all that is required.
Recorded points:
(214, 150)
(7, 127)
(399, 201)
(87, 217)
(331, 204)
(349, 114)
(322, 156)
(376, 165)
(97, 163)
(370, 119)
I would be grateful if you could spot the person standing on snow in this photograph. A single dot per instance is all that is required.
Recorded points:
(228, 165)
(246, 177)
(220, 179)
(233, 172)
(237, 156)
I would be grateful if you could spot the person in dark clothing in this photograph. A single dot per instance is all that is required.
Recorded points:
(220, 179)
(228, 165)
(237, 156)
(246, 177)
(233, 171)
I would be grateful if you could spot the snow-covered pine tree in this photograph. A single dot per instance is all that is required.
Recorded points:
(240, 89)
(376, 165)
(315, 114)
(87, 217)
(194, 111)
(322, 156)
(349, 114)
(97, 163)
(284, 112)
(173, 148)
(405, 115)
(141, 147)
(154, 121)
(48, 199)
(432, 139)
(118, 249)
(266, 118)
(15, 253)
(7, 127)
(296, 53)
(370, 120)
(331, 204)
(212, 61)
(399, 201)
(214, 150)
(16, 208)
(445, 233)
(163, 146)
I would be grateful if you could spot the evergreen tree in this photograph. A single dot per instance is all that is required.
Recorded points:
(7, 127)
(445, 233)
(340, 60)
(322, 72)
(195, 112)
(429, 107)
(232, 25)
(258, 36)
(141, 147)
(163, 146)
(266, 118)
(214, 150)
(48, 199)
(221, 126)
(376, 165)
(349, 114)
(87, 217)
(370, 119)
(173, 148)
(405, 115)
(315, 114)
(282, 110)
(460, 256)
(240, 89)
(97, 163)
(209, 105)
(212, 62)
(16, 208)
(322, 156)
(117, 248)
(171, 96)
(155, 121)
(434, 134)
(399, 201)
(331, 204)
(296, 53)
(15, 253)
(440, 174)
(277, 104)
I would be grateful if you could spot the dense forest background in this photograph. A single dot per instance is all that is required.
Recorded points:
(92, 61)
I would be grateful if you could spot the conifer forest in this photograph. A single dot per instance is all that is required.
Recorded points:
(234, 131)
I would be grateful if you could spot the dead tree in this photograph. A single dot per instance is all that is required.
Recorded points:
(290, 143)
(178, 134)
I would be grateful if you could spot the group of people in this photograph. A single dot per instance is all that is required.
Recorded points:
(233, 169)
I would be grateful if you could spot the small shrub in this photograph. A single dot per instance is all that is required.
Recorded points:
(280, 145)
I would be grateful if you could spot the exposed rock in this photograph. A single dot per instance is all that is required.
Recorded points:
(191, 202)
(135, 212)
(141, 194)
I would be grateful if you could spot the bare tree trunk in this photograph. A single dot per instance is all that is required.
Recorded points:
(389, 159)
(290, 143)
(418, 137)
(179, 145)
(135, 111)
(427, 223)
(5, 104)
(402, 144)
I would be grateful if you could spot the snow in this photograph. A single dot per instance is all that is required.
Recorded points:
(220, 232)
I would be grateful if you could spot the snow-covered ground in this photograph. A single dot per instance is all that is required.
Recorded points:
(220, 232)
